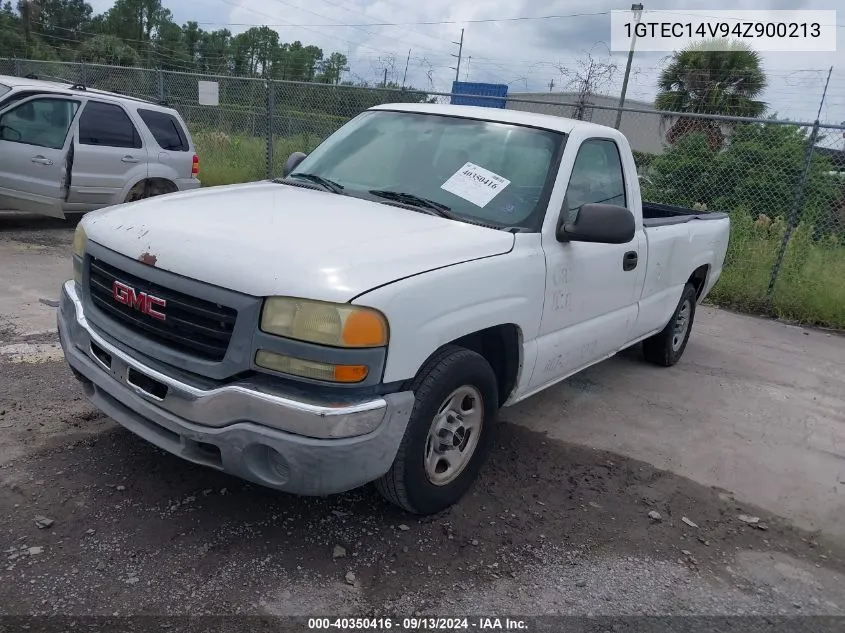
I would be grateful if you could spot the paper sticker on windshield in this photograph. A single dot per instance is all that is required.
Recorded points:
(476, 184)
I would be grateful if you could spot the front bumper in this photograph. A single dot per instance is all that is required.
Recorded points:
(278, 440)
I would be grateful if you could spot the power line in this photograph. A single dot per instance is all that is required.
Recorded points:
(265, 15)
(341, 24)
(422, 22)
(400, 34)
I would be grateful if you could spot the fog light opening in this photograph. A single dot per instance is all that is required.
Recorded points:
(267, 464)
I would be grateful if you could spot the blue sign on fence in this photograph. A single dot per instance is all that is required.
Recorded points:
(478, 94)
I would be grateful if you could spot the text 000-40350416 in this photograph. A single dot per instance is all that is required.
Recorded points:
(418, 624)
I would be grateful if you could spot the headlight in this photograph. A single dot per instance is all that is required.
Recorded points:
(79, 239)
(339, 325)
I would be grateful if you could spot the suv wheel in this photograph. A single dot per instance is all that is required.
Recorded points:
(139, 192)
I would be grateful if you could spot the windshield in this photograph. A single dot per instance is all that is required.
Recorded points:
(481, 170)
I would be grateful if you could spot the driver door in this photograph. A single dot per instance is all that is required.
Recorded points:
(34, 144)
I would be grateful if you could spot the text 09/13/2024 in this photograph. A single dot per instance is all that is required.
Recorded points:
(418, 624)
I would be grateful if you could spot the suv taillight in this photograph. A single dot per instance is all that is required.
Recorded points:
(195, 166)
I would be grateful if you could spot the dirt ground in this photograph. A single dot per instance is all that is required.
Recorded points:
(749, 424)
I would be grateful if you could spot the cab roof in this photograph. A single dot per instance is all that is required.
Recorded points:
(501, 115)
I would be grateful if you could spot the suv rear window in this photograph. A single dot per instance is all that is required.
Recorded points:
(165, 129)
(4, 89)
(107, 125)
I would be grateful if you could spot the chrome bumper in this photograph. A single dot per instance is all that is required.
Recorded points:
(276, 439)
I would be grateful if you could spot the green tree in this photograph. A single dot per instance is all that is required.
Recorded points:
(254, 51)
(63, 23)
(12, 41)
(299, 62)
(168, 48)
(757, 173)
(136, 22)
(191, 38)
(30, 13)
(107, 49)
(331, 68)
(702, 80)
(213, 52)
(142, 33)
(99, 25)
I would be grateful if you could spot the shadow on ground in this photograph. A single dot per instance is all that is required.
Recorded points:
(138, 530)
(15, 221)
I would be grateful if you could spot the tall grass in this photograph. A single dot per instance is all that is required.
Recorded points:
(228, 159)
(810, 287)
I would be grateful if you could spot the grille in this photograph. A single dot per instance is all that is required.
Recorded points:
(193, 326)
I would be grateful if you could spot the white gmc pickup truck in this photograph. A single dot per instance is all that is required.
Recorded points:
(364, 317)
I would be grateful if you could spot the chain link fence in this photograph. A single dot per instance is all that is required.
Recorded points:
(782, 182)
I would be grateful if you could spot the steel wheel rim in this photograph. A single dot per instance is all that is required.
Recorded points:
(681, 326)
(453, 436)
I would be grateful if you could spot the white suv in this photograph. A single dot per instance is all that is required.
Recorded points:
(67, 149)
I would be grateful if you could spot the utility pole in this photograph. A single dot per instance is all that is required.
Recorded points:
(638, 13)
(466, 74)
(457, 68)
(551, 85)
(407, 61)
(384, 83)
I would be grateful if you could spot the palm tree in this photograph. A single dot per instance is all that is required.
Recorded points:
(703, 80)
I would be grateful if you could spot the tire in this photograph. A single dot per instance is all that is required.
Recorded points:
(666, 347)
(74, 218)
(139, 193)
(418, 480)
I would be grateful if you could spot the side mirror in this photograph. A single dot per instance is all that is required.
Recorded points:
(292, 163)
(601, 223)
(9, 134)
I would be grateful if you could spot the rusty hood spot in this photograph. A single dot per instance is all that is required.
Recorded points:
(148, 258)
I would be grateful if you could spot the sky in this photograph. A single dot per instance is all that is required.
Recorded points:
(525, 54)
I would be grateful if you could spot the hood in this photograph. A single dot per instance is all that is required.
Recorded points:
(271, 239)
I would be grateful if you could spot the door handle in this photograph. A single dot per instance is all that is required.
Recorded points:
(41, 160)
(629, 260)
(129, 159)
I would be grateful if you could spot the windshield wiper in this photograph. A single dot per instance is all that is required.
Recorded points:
(408, 198)
(331, 185)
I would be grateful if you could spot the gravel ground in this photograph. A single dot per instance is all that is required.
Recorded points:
(568, 531)
(552, 527)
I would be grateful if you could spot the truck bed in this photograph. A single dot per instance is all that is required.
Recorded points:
(655, 214)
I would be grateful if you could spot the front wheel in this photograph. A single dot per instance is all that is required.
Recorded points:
(449, 434)
(667, 346)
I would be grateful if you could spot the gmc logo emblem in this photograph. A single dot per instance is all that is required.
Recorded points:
(141, 301)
